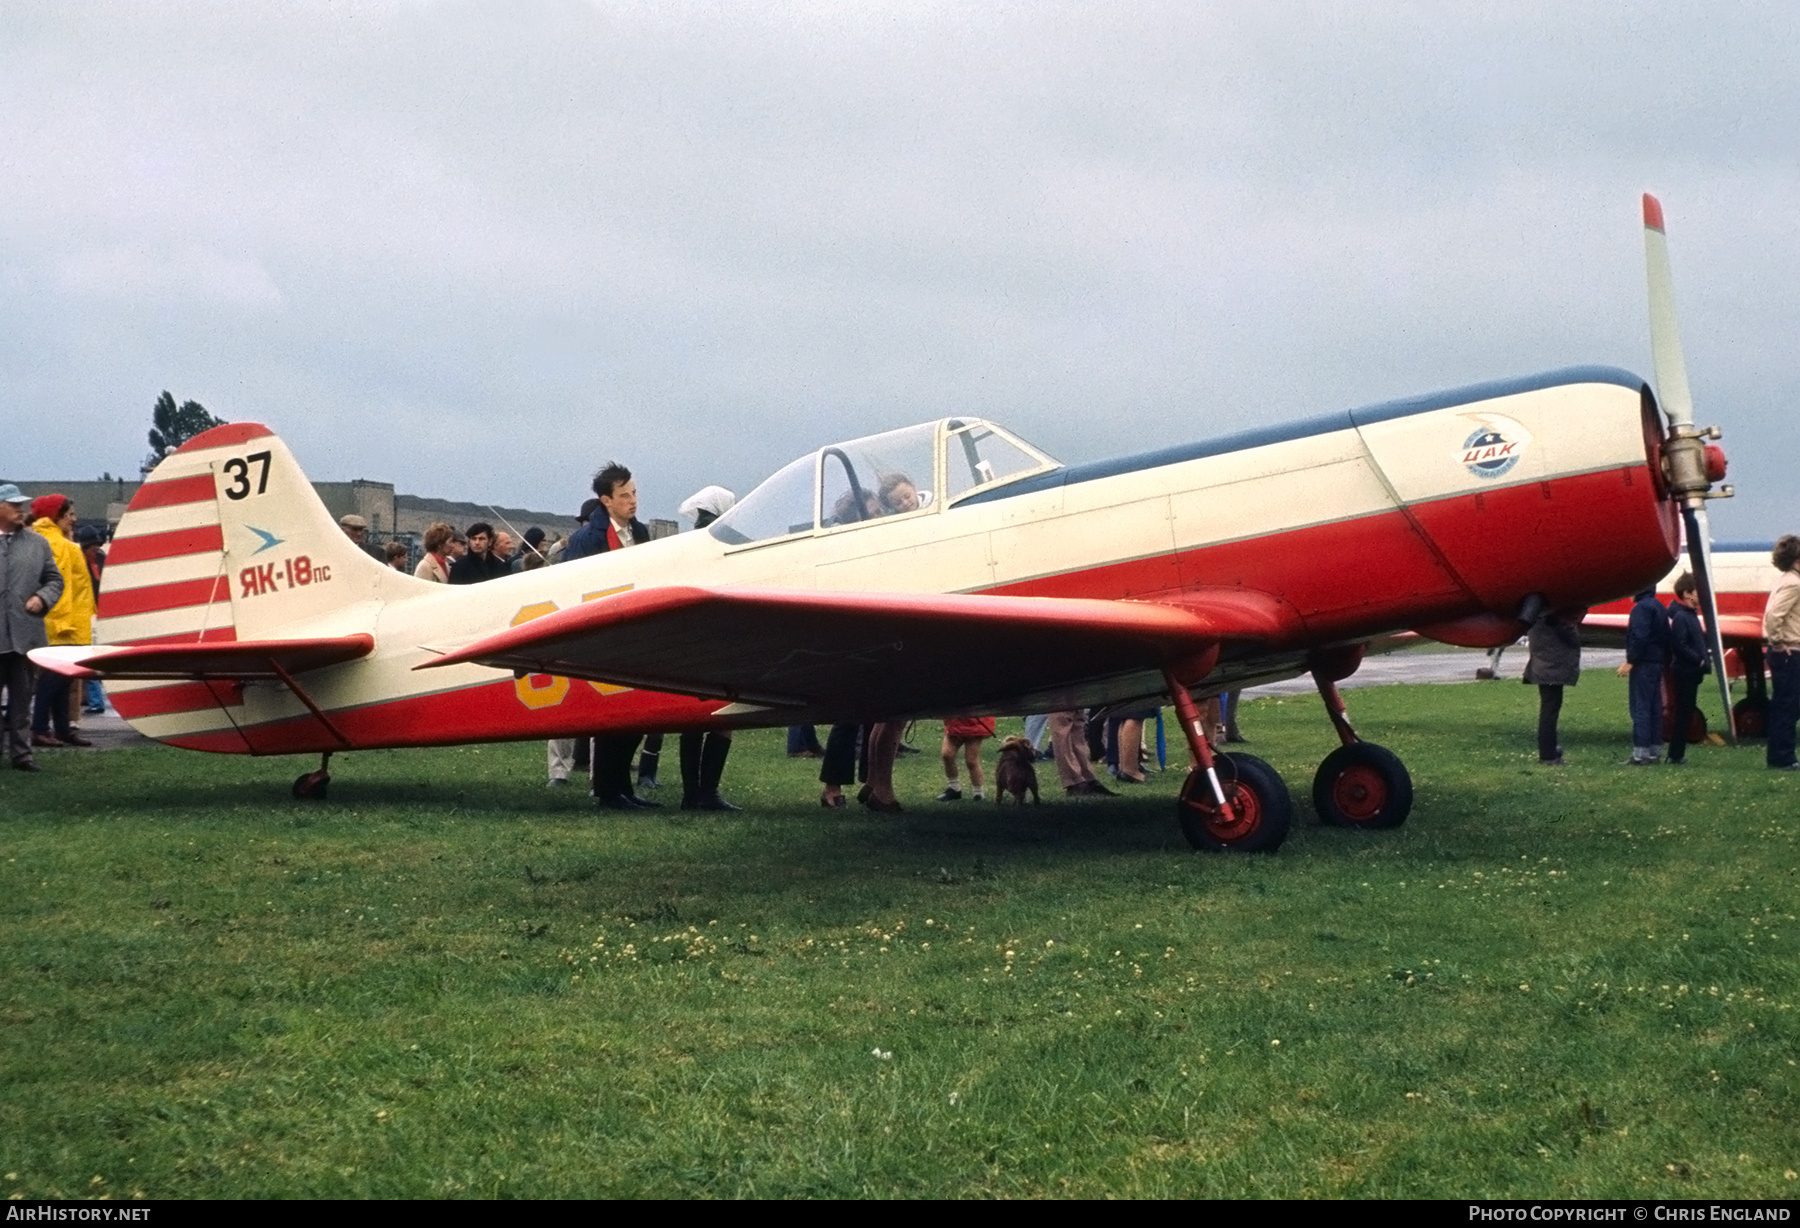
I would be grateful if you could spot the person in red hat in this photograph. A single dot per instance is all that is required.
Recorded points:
(70, 620)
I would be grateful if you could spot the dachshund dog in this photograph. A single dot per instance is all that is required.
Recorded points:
(1016, 773)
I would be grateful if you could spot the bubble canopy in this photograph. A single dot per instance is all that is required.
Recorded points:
(915, 471)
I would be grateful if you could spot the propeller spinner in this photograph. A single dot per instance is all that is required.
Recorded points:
(1690, 464)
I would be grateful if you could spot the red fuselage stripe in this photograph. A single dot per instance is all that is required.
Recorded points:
(211, 635)
(153, 597)
(179, 697)
(175, 491)
(146, 547)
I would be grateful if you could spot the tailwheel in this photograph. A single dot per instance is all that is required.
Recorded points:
(1362, 785)
(1261, 810)
(311, 786)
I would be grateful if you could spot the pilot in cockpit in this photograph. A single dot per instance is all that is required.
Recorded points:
(845, 511)
(898, 495)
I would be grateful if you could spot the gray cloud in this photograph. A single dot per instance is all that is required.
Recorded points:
(476, 249)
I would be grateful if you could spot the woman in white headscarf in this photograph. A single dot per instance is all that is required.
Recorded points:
(707, 505)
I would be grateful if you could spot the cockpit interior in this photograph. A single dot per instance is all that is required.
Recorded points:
(917, 470)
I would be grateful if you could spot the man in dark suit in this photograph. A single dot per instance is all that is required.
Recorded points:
(479, 564)
(613, 526)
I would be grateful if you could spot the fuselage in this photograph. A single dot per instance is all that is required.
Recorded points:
(1363, 522)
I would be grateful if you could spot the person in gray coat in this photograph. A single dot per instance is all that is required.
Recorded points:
(1555, 663)
(32, 585)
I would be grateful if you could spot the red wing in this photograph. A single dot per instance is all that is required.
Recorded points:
(236, 659)
(869, 654)
(1608, 630)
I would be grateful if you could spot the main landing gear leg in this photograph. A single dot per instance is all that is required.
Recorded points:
(1228, 801)
(311, 786)
(1360, 784)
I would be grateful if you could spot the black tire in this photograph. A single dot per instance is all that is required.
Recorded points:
(311, 786)
(1249, 784)
(1750, 717)
(1362, 785)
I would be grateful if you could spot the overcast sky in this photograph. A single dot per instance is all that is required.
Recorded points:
(475, 249)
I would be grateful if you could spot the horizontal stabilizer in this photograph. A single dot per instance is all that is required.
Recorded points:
(241, 660)
(900, 652)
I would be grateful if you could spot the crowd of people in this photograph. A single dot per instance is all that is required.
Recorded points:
(1666, 659)
(51, 568)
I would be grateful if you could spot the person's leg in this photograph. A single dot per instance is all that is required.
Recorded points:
(1687, 686)
(884, 748)
(620, 768)
(1131, 746)
(40, 706)
(16, 671)
(613, 753)
(838, 768)
(1646, 711)
(1095, 733)
(948, 753)
(692, 746)
(649, 761)
(1784, 706)
(1550, 699)
(559, 755)
(712, 770)
(1231, 714)
(1213, 721)
(1037, 725)
(52, 710)
(972, 757)
(1068, 737)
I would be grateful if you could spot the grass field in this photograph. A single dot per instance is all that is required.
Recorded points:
(449, 980)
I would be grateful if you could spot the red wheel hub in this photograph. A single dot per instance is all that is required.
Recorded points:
(1360, 792)
(1246, 810)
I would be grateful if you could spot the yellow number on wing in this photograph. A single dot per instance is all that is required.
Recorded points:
(529, 692)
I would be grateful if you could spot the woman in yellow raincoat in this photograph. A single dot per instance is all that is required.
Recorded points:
(70, 620)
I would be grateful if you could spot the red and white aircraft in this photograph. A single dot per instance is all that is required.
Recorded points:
(238, 618)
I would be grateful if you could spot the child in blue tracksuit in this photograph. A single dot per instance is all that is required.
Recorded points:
(1647, 648)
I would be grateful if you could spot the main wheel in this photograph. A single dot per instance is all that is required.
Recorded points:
(1362, 785)
(1261, 810)
(1751, 716)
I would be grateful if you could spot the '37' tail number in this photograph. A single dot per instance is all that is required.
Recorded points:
(290, 573)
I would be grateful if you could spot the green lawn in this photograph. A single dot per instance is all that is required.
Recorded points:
(449, 980)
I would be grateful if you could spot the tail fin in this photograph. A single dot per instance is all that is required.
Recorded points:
(227, 540)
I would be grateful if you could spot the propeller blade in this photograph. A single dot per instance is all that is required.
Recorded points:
(1699, 535)
(1665, 337)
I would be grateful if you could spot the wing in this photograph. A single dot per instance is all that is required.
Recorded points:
(1608, 630)
(861, 655)
(228, 659)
